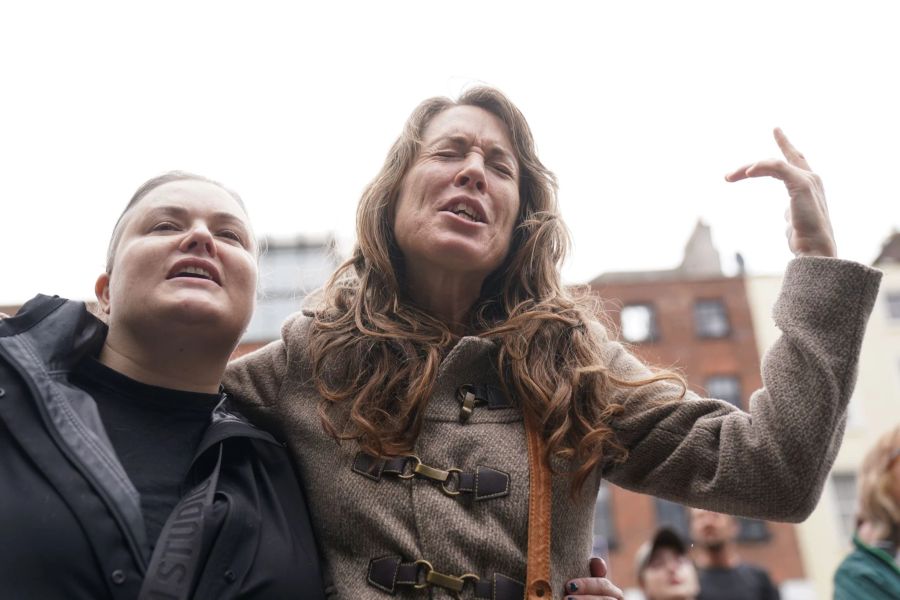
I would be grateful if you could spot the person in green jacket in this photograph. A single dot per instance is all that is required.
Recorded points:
(872, 570)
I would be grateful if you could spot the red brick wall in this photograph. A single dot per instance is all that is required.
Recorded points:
(10, 310)
(677, 345)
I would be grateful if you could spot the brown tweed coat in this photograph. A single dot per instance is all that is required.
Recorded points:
(770, 463)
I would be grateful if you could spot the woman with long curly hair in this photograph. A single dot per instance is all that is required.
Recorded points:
(410, 392)
(872, 570)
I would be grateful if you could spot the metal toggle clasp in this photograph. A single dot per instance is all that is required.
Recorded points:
(448, 582)
(431, 472)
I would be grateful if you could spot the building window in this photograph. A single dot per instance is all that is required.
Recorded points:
(711, 319)
(604, 525)
(724, 387)
(639, 323)
(893, 304)
(287, 273)
(844, 485)
(673, 515)
(751, 530)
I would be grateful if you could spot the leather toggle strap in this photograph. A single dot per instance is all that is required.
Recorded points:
(471, 395)
(484, 483)
(390, 572)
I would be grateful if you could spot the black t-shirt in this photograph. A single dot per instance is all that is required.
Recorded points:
(155, 432)
(744, 582)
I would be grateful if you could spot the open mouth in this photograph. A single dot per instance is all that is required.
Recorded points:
(193, 270)
(466, 209)
(462, 210)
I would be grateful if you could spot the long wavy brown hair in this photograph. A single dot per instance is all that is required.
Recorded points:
(373, 348)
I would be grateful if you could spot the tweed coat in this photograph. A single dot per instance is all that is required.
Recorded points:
(770, 463)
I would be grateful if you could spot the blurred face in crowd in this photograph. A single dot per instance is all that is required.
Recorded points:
(711, 529)
(669, 575)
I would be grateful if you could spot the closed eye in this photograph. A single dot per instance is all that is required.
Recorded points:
(231, 235)
(505, 170)
(165, 226)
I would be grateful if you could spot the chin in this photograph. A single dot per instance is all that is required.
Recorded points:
(464, 257)
(201, 311)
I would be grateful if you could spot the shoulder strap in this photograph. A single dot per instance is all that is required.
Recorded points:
(176, 557)
(538, 570)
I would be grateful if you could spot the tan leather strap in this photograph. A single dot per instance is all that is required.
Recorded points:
(537, 580)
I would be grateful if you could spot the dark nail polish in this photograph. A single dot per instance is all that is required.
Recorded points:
(573, 587)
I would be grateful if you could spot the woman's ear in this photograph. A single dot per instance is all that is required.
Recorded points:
(101, 290)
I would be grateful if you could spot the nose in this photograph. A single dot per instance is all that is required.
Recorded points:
(199, 240)
(471, 174)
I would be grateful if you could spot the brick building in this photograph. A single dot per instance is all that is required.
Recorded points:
(697, 320)
(289, 270)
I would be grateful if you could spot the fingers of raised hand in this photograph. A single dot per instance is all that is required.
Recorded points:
(771, 167)
(593, 587)
(3, 315)
(795, 178)
(793, 156)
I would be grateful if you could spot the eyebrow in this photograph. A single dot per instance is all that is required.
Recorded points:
(182, 212)
(459, 140)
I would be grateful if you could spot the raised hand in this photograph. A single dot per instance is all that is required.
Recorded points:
(809, 229)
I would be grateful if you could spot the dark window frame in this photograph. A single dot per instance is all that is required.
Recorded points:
(892, 300)
(709, 386)
(653, 328)
(604, 517)
(701, 314)
(845, 491)
(753, 531)
(673, 515)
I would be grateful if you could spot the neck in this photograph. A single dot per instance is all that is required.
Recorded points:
(722, 557)
(174, 362)
(448, 297)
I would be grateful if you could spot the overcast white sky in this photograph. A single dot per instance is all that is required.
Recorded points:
(639, 107)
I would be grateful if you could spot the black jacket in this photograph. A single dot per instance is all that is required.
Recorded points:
(70, 520)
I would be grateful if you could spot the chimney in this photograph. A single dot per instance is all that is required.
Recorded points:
(701, 259)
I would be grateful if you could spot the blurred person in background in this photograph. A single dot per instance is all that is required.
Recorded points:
(664, 568)
(723, 575)
(872, 570)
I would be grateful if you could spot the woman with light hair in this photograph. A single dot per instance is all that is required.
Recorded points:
(872, 570)
(454, 407)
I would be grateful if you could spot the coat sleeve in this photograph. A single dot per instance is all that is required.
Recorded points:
(254, 381)
(772, 462)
